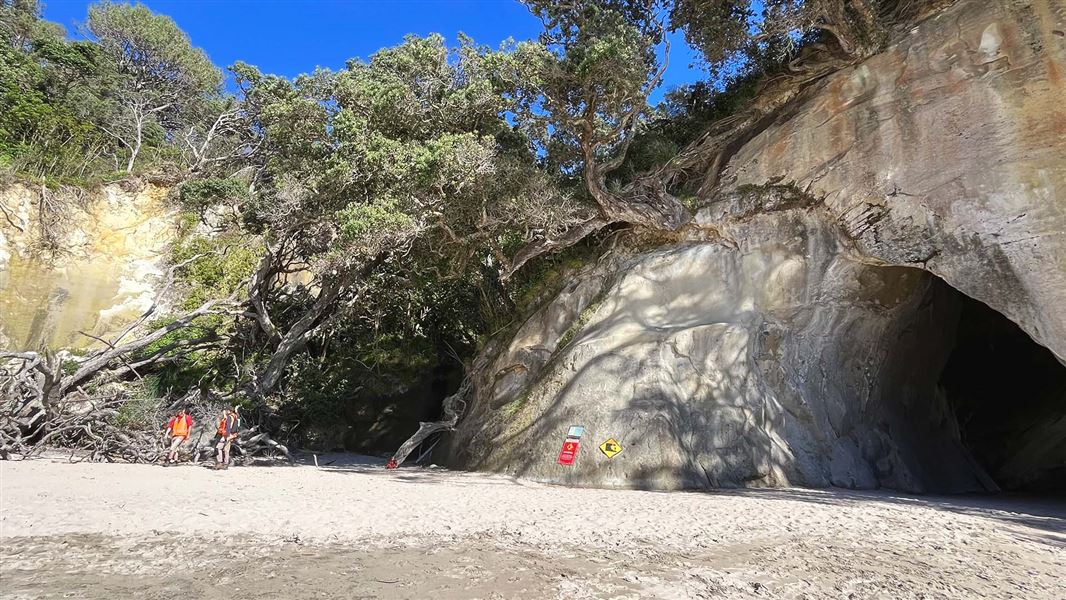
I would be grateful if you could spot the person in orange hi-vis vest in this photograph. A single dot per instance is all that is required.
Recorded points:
(178, 428)
(228, 427)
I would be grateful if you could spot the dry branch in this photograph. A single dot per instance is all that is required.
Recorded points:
(452, 410)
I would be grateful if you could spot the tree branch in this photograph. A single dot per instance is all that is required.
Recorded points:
(546, 246)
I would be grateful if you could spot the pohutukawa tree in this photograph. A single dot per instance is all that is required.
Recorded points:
(597, 62)
(588, 84)
(591, 73)
(158, 75)
(407, 157)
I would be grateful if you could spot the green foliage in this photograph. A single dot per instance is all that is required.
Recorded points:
(405, 337)
(547, 276)
(579, 324)
(46, 99)
(77, 110)
(731, 33)
(216, 267)
(412, 148)
(220, 265)
(150, 53)
(69, 367)
(156, 74)
(718, 29)
(684, 114)
(193, 358)
(203, 326)
(594, 68)
(361, 223)
(139, 412)
(201, 194)
(512, 408)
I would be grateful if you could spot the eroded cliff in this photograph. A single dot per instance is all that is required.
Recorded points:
(817, 323)
(78, 261)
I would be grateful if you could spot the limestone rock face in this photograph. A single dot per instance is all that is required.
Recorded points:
(100, 269)
(800, 335)
(777, 362)
(947, 152)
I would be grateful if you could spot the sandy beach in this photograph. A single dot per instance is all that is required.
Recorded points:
(350, 529)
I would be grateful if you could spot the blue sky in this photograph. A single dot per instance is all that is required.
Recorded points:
(289, 37)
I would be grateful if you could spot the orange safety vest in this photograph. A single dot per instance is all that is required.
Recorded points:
(180, 425)
(224, 425)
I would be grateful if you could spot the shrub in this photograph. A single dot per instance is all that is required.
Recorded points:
(201, 194)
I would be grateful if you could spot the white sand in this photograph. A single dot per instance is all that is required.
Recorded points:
(97, 530)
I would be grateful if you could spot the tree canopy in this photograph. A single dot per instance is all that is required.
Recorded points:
(725, 30)
(157, 76)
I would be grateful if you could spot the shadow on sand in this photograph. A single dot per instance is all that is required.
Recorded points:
(1044, 513)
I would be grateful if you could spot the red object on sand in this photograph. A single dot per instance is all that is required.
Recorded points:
(391, 464)
(569, 451)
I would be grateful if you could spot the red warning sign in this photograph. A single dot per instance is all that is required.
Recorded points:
(569, 451)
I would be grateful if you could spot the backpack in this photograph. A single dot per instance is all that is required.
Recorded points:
(229, 425)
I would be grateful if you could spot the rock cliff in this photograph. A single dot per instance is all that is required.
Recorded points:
(838, 311)
(78, 261)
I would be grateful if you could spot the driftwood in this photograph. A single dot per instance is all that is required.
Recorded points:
(251, 444)
(87, 426)
(452, 410)
(83, 424)
(43, 403)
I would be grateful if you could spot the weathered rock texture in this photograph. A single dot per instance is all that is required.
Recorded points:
(99, 271)
(798, 336)
(947, 152)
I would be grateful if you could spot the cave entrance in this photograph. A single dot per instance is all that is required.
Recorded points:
(1008, 395)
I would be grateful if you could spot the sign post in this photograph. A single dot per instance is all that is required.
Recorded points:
(610, 448)
(571, 445)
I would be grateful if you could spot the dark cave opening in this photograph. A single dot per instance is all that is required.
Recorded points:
(1008, 395)
(379, 425)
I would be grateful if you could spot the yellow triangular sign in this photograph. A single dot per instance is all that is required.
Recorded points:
(610, 448)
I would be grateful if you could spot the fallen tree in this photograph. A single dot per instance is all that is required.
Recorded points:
(44, 402)
(90, 428)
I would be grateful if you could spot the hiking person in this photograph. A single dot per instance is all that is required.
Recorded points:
(228, 427)
(178, 428)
